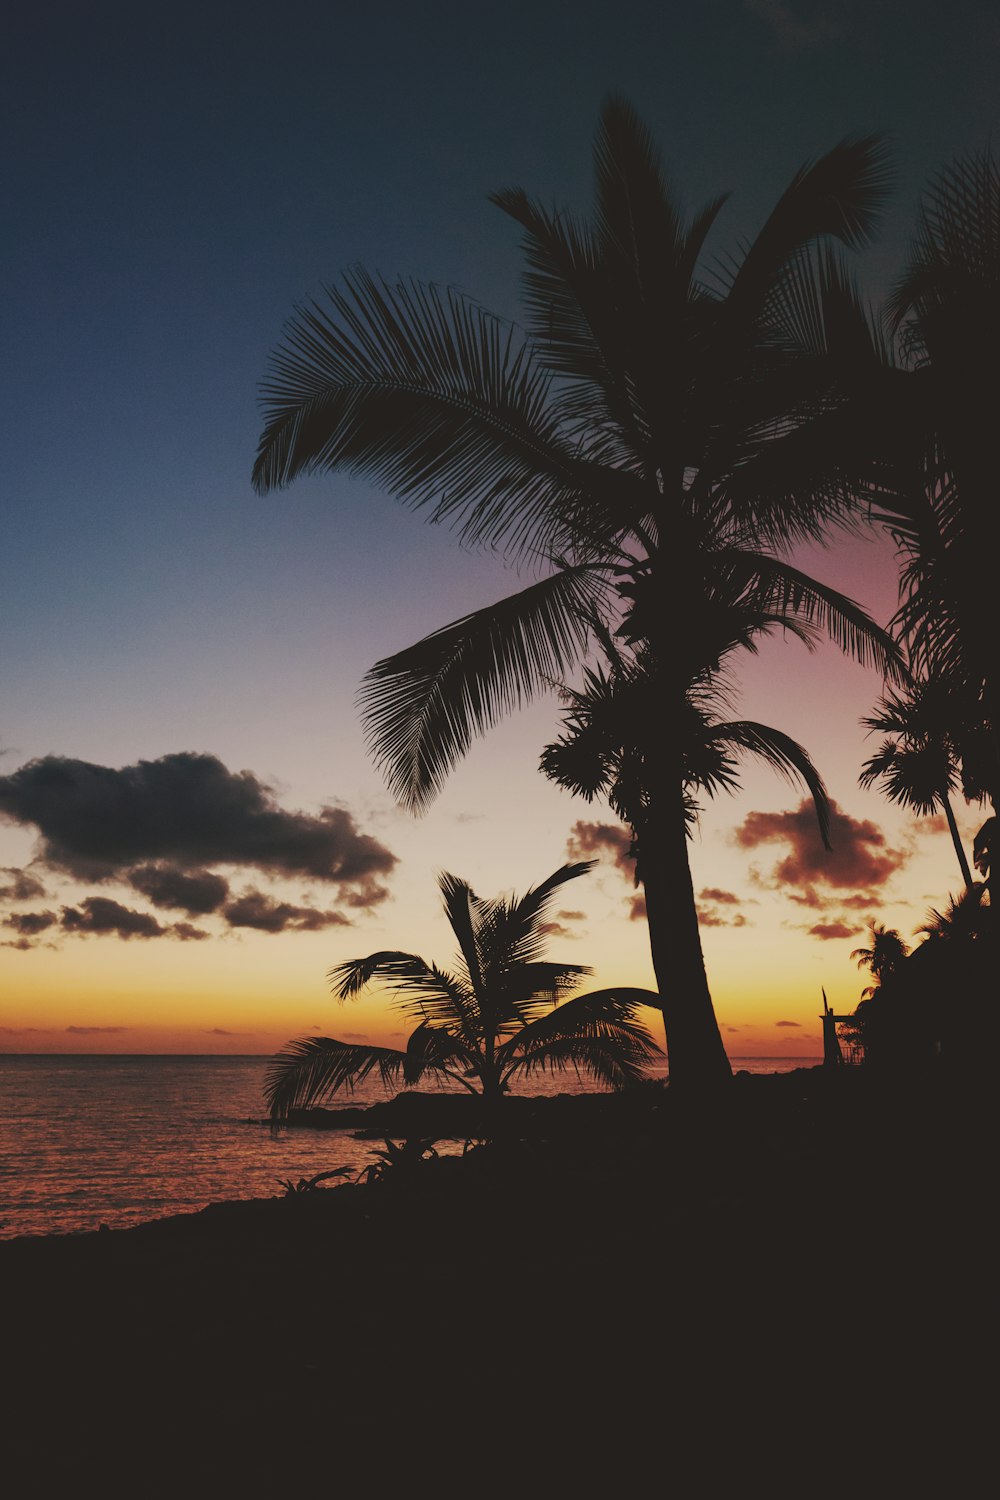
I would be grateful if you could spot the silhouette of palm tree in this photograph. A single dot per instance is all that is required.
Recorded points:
(652, 435)
(963, 919)
(611, 747)
(884, 957)
(920, 767)
(496, 1016)
(946, 310)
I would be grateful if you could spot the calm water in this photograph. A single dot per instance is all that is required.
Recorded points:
(86, 1141)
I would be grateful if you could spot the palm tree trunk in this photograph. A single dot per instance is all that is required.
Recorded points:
(694, 1043)
(957, 841)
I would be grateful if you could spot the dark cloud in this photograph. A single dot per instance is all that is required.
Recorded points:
(24, 1030)
(731, 1028)
(187, 810)
(724, 898)
(709, 917)
(637, 909)
(860, 857)
(789, 1023)
(221, 1031)
(264, 914)
(198, 892)
(831, 930)
(811, 897)
(22, 945)
(589, 839)
(365, 895)
(31, 923)
(555, 929)
(19, 885)
(571, 916)
(187, 932)
(98, 914)
(96, 1030)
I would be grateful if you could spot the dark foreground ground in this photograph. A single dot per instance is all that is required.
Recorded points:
(788, 1288)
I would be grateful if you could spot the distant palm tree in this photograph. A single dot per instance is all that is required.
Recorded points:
(884, 957)
(921, 766)
(654, 436)
(500, 1014)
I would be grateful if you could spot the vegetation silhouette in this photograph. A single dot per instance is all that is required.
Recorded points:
(925, 419)
(657, 437)
(883, 957)
(612, 735)
(920, 766)
(932, 1005)
(495, 1017)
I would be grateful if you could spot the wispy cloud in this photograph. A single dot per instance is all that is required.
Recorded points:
(793, 31)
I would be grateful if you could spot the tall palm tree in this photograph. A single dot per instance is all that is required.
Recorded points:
(946, 312)
(651, 433)
(501, 1013)
(920, 767)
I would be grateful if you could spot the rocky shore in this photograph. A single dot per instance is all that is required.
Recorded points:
(618, 1290)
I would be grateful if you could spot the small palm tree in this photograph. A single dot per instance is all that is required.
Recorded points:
(500, 1014)
(919, 768)
(883, 958)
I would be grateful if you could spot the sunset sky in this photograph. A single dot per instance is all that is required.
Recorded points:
(175, 183)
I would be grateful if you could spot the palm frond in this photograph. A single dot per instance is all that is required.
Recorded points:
(581, 761)
(782, 754)
(351, 977)
(515, 931)
(432, 1050)
(421, 989)
(916, 776)
(309, 1071)
(777, 585)
(839, 195)
(459, 905)
(423, 707)
(424, 392)
(597, 1034)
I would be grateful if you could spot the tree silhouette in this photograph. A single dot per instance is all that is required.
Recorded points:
(496, 1016)
(939, 501)
(653, 435)
(883, 957)
(921, 766)
(611, 747)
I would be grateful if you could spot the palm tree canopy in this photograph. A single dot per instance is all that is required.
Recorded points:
(883, 957)
(942, 509)
(649, 425)
(500, 1011)
(613, 731)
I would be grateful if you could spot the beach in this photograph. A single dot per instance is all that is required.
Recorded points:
(798, 1265)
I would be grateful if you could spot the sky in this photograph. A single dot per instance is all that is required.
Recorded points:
(191, 830)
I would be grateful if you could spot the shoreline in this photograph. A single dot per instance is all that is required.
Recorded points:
(744, 1262)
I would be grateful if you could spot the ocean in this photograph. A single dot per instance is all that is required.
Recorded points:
(91, 1140)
